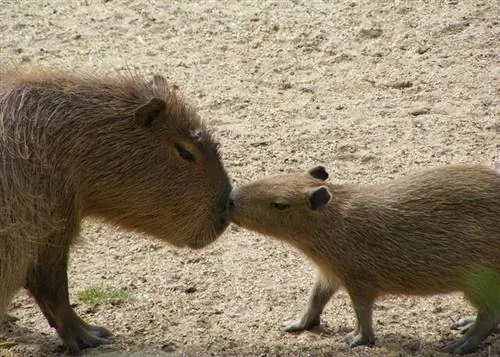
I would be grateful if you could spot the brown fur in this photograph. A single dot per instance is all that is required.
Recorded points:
(118, 147)
(436, 231)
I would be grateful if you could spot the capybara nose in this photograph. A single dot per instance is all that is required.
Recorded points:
(231, 203)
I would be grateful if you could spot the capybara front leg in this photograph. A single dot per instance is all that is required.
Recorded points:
(363, 306)
(320, 294)
(47, 281)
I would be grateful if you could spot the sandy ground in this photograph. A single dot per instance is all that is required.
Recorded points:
(371, 91)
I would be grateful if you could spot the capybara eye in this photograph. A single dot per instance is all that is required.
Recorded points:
(186, 155)
(280, 206)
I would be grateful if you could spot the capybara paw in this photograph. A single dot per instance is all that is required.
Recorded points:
(461, 347)
(100, 331)
(292, 326)
(299, 325)
(362, 340)
(86, 336)
(464, 324)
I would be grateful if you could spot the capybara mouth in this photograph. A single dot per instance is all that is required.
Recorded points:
(234, 221)
(199, 243)
(223, 224)
(202, 240)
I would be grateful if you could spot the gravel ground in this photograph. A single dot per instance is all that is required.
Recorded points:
(371, 89)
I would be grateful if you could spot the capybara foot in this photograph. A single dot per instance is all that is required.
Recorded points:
(299, 325)
(464, 324)
(360, 339)
(82, 335)
(482, 326)
(461, 347)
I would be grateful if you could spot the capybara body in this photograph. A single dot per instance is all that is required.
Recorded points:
(436, 231)
(119, 147)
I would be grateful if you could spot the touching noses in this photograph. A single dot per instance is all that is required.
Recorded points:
(231, 204)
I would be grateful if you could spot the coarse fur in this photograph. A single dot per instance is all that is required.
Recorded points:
(119, 147)
(436, 231)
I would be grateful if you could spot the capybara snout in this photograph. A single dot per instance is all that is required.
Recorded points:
(281, 199)
(219, 216)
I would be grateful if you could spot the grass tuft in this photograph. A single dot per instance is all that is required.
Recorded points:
(104, 295)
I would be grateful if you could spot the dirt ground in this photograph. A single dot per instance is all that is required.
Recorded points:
(371, 89)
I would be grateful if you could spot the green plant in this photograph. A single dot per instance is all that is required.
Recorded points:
(102, 295)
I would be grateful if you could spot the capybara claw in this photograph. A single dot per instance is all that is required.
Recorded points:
(90, 336)
(82, 342)
(100, 331)
(292, 326)
(450, 348)
(460, 347)
(75, 347)
(299, 325)
(362, 340)
(464, 324)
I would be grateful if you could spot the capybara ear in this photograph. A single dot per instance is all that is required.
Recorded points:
(319, 198)
(146, 114)
(319, 172)
(159, 81)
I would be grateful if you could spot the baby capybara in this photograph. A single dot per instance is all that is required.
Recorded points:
(436, 231)
(119, 147)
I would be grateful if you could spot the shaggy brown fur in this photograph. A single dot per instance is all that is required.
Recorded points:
(436, 231)
(118, 147)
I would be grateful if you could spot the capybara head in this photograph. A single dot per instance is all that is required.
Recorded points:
(281, 205)
(133, 151)
(173, 184)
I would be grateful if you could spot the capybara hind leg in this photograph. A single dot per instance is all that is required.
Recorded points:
(48, 284)
(363, 306)
(482, 289)
(484, 325)
(320, 294)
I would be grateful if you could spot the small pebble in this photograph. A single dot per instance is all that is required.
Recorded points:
(307, 88)
(401, 84)
(373, 32)
(419, 111)
(421, 50)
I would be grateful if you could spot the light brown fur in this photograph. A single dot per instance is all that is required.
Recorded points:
(436, 231)
(118, 147)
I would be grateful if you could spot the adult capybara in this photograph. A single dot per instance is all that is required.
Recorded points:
(437, 231)
(118, 147)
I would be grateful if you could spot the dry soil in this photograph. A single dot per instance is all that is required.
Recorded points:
(371, 89)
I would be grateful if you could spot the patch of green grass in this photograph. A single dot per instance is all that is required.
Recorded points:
(103, 295)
